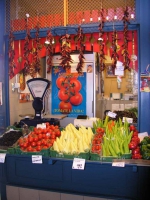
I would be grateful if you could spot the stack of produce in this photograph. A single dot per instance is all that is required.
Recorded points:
(9, 138)
(134, 143)
(116, 139)
(97, 141)
(39, 138)
(128, 113)
(145, 148)
(73, 141)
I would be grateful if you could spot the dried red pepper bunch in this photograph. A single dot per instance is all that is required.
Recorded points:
(81, 57)
(26, 69)
(36, 59)
(114, 55)
(11, 53)
(65, 52)
(101, 44)
(49, 50)
(125, 53)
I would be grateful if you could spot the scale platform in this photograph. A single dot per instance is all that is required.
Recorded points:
(34, 122)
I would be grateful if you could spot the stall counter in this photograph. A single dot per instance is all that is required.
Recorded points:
(99, 179)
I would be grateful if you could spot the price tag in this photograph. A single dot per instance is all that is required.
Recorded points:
(118, 164)
(111, 114)
(2, 157)
(78, 163)
(37, 159)
(129, 120)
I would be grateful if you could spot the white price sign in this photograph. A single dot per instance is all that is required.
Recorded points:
(37, 159)
(2, 157)
(118, 164)
(78, 163)
(111, 114)
(129, 120)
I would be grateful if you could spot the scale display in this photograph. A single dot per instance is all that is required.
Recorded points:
(38, 88)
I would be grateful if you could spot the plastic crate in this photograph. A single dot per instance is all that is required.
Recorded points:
(43, 152)
(56, 154)
(95, 156)
(108, 158)
(126, 156)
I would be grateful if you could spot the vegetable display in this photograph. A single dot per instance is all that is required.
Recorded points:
(145, 148)
(129, 113)
(10, 137)
(116, 139)
(39, 138)
(73, 140)
(134, 143)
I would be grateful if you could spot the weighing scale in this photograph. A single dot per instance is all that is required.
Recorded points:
(38, 88)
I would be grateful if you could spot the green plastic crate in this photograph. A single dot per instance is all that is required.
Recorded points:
(56, 154)
(43, 152)
(126, 156)
(108, 158)
(95, 156)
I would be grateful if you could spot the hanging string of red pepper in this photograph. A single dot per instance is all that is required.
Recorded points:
(114, 55)
(81, 57)
(101, 43)
(11, 53)
(26, 69)
(49, 50)
(36, 59)
(125, 53)
(66, 59)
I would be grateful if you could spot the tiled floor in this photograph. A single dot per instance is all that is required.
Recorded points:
(18, 193)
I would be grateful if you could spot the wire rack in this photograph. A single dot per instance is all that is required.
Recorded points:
(48, 13)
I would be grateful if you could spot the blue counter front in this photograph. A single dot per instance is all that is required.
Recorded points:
(97, 179)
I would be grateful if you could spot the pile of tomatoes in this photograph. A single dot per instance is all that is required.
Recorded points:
(39, 138)
(97, 141)
(134, 143)
(69, 93)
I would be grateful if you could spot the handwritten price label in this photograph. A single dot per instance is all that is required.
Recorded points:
(37, 159)
(111, 114)
(78, 163)
(118, 164)
(2, 157)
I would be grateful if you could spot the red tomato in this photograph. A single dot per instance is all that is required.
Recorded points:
(136, 151)
(21, 144)
(25, 145)
(53, 136)
(132, 145)
(35, 139)
(52, 141)
(33, 144)
(38, 143)
(65, 107)
(29, 148)
(38, 148)
(62, 82)
(76, 99)
(43, 136)
(30, 139)
(132, 128)
(43, 142)
(75, 85)
(58, 133)
(63, 94)
(40, 136)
